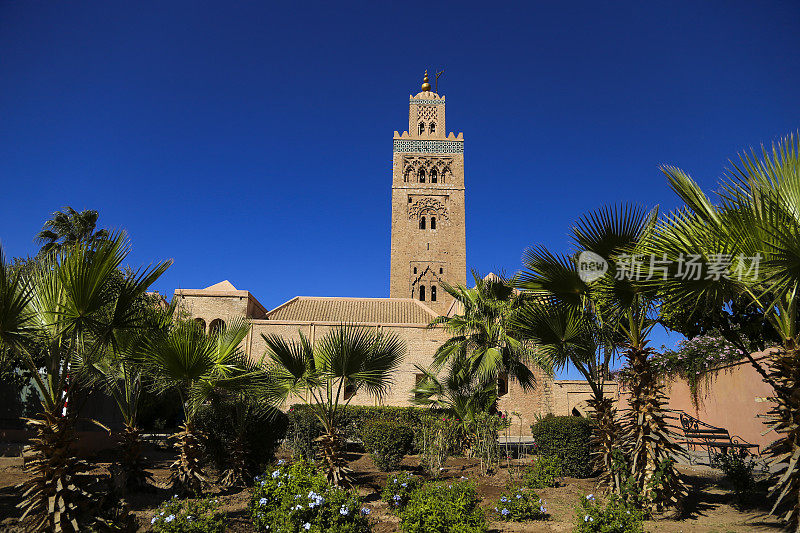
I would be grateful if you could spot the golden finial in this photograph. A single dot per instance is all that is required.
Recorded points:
(426, 86)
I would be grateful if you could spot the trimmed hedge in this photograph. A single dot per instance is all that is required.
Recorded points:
(387, 442)
(568, 438)
(304, 426)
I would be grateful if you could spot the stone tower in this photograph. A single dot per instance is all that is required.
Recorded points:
(428, 218)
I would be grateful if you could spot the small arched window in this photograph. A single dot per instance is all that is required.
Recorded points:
(421, 175)
(433, 293)
(349, 391)
(502, 385)
(216, 326)
(422, 293)
(422, 223)
(433, 127)
(441, 270)
(433, 222)
(421, 128)
(434, 176)
(415, 270)
(200, 323)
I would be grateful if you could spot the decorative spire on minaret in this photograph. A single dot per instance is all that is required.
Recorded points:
(426, 86)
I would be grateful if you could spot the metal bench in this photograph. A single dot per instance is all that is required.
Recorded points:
(700, 434)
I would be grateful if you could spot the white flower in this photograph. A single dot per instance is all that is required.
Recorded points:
(170, 518)
(306, 526)
(280, 462)
(343, 511)
(262, 501)
(275, 474)
(153, 521)
(365, 510)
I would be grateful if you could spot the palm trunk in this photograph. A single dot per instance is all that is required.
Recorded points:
(647, 440)
(331, 449)
(133, 474)
(51, 498)
(784, 418)
(237, 472)
(604, 441)
(187, 472)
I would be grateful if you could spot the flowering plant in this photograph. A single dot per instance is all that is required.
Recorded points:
(188, 516)
(399, 488)
(617, 515)
(519, 505)
(298, 497)
(444, 508)
(693, 360)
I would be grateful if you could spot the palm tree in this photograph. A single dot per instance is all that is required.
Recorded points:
(624, 316)
(482, 333)
(461, 392)
(69, 227)
(122, 377)
(196, 365)
(62, 314)
(751, 238)
(567, 335)
(326, 375)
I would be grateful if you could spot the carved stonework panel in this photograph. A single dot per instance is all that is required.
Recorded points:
(422, 146)
(426, 112)
(426, 206)
(441, 167)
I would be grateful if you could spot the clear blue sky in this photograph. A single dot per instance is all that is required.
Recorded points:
(251, 141)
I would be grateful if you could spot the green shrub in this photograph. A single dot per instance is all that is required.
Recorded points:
(304, 427)
(520, 505)
(443, 508)
(545, 471)
(567, 438)
(189, 516)
(616, 517)
(387, 442)
(262, 431)
(438, 436)
(398, 489)
(298, 498)
(738, 472)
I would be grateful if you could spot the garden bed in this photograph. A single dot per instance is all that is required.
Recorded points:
(711, 510)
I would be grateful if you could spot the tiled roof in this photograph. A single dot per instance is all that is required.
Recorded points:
(353, 310)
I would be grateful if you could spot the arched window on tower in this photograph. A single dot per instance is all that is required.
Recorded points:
(422, 293)
(415, 270)
(421, 175)
(433, 293)
(200, 323)
(434, 176)
(422, 223)
(433, 127)
(433, 222)
(421, 128)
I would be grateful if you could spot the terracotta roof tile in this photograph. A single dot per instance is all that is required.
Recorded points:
(353, 310)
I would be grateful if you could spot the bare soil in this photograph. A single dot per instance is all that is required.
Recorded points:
(712, 507)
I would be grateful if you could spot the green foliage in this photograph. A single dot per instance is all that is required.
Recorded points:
(189, 516)
(439, 437)
(399, 488)
(387, 442)
(483, 431)
(738, 472)
(567, 438)
(617, 516)
(544, 471)
(297, 497)
(224, 421)
(520, 505)
(443, 508)
(304, 426)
